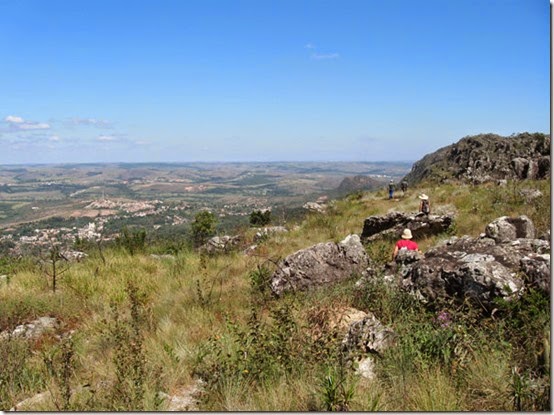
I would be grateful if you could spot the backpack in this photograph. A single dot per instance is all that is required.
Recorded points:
(425, 206)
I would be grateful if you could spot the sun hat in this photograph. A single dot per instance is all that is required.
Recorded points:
(423, 196)
(407, 234)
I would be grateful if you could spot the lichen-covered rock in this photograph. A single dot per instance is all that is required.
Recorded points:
(368, 335)
(315, 207)
(33, 329)
(221, 244)
(479, 269)
(506, 229)
(536, 267)
(365, 339)
(487, 157)
(319, 265)
(73, 256)
(392, 225)
(267, 231)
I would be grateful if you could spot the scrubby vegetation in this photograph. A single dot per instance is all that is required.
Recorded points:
(135, 329)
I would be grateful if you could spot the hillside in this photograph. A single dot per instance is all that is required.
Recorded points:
(486, 157)
(358, 183)
(137, 331)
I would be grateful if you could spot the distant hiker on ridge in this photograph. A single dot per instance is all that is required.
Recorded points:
(391, 189)
(404, 187)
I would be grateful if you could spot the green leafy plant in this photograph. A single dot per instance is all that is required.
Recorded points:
(260, 218)
(203, 227)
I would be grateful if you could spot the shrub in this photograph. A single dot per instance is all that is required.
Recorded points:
(132, 240)
(260, 218)
(203, 227)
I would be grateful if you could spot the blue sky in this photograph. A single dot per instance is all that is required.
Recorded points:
(263, 80)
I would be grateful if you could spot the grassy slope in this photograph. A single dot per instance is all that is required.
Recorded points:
(143, 324)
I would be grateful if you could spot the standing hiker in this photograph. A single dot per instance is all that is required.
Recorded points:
(404, 187)
(391, 189)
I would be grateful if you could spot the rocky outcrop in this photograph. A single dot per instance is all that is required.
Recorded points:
(221, 244)
(481, 269)
(186, 399)
(487, 157)
(73, 256)
(392, 225)
(365, 339)
(536, 268)
(319, 265)
(361, 335)
(268, 231)
(368, 335)
(505, 229)
(32, 330)
(315, 207)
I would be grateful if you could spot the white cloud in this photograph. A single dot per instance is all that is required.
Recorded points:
(54, 138)
(18, 123)
(94, 122)
(320, 56)
(12, 119)
(106, 138)
(33, 126)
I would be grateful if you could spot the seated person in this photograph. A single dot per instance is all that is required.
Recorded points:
(424, 205)
(405, 243)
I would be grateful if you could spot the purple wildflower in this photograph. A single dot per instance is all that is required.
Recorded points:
(444, 318)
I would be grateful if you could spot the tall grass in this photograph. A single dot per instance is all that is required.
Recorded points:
(140, 325)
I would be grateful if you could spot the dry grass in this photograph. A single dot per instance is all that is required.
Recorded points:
(188, 300)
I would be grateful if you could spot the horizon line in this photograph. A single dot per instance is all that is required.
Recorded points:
(203, 162)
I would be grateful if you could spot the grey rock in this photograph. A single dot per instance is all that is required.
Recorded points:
(506, 229)
(365, 339)
(368, 336)
(221, 244)
(315, 207)
(481, 269)
(487, 157)
(267, 231)
(33, 329)
(530, 194)
(319, 265)
(536, 267)
(392, 225)
(73, 256)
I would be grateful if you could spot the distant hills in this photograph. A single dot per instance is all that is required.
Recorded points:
(359, 183)
(486, 157)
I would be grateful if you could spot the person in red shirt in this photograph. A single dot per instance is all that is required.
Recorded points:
(405, 243)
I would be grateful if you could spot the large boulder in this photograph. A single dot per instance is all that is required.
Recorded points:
(321, 264)
(367, 338)
(392, 225)
(505, 229)
(536, 268)
(479, 269)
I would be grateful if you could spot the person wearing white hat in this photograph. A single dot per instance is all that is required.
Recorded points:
(405, 243)
(424, 205)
